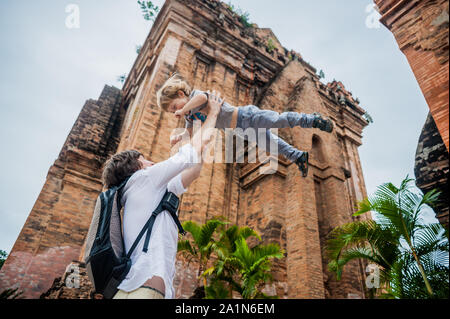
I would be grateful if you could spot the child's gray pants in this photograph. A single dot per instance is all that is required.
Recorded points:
(251, 116)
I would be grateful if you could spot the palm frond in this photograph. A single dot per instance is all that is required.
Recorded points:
(207, 231)
(217, 290)
(194, 229)
(425, 234)
(246, 232)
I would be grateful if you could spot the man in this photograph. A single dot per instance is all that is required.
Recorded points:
(152, 272)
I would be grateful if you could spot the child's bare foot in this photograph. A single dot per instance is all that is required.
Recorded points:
(322, 124)
(303, 164)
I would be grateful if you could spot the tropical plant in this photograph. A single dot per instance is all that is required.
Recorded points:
(217, 289)
(363, 240)
(254, 266)
(244, 269)
(412, 256)
(223, 273)
(236, 266)
(201, 245)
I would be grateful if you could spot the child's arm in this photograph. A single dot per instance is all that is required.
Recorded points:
(196, 101)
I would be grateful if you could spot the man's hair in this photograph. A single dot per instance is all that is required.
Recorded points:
(169, 91)
(120, 166)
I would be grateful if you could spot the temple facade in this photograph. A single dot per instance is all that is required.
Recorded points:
(210, 46)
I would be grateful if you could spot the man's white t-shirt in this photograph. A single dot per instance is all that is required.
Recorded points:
(141, 195)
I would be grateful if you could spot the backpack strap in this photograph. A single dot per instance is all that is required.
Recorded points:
(177, 222)
(149, 226)
(119, 205)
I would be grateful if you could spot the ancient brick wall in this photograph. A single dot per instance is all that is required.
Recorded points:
(421, 30)
(431, 167)
(208, 45)
(54, 232)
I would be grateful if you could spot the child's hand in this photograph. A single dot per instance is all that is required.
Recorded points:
(175, 139)
(179, 113)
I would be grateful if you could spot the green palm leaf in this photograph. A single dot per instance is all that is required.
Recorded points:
(194, 229)
(411, 270)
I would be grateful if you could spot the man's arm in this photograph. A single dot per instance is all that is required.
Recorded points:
(191, 174)
(179, 184)
(202, 137)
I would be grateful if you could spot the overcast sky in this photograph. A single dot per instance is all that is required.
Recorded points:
(49, 71)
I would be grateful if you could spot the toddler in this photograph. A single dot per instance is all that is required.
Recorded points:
(177, 97)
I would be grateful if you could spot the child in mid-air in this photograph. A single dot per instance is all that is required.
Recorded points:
(177, 97)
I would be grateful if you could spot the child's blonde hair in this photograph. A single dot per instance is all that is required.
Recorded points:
(169, 91)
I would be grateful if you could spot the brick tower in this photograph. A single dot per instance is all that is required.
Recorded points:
(208, 44)
(421, 30)
(56, 227)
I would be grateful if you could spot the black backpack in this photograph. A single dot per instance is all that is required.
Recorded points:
(107, 262)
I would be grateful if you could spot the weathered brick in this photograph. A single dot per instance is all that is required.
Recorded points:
(421, 31)
(211, 48)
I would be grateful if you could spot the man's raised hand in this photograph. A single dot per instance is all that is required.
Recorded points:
(175, 139)
(214, 101)
(179, 113)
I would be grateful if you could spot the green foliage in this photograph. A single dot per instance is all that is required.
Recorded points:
(243, 15)
(254, 265)
(244, 18)
(149, 10)
(366, 240)
(367, 116)
(138, 49)
(3, 255)
(122, 78)
(236, 267)
(412, 256)
(202, 243)
(217, 289)
(270, 46)
(321, 74)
